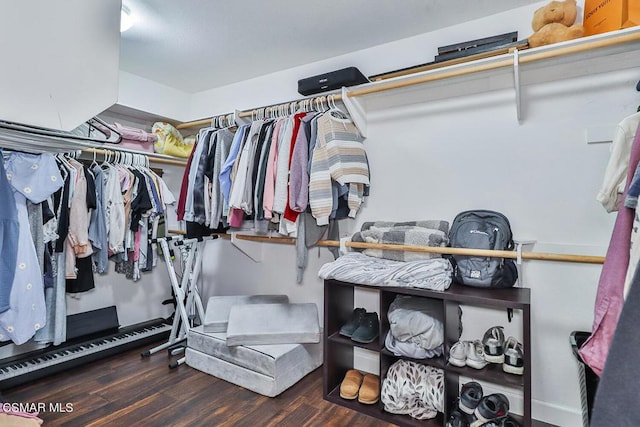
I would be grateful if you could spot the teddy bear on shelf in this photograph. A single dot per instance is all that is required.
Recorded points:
(555, 23)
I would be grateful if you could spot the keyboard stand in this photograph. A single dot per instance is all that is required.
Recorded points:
(186, 294)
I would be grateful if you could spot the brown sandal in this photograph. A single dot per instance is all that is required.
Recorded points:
(350, 384)
(369, 390)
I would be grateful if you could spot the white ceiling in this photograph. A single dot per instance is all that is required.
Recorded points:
(195, 45)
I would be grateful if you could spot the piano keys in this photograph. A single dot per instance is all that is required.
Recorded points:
(38, 364)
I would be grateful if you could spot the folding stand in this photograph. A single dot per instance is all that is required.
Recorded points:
(186, 293)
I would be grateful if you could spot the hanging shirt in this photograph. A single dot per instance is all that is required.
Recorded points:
(227, 166)
(270, 172)
(98, 225)
(238, 196)
(282, 166)
(114, 211)
(225, 140)
(34, 178)
(202, 147)
(616, 172)
(77, 241)
(9, 231)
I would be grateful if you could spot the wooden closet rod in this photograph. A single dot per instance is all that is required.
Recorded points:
(248, 113)
(508, 62)
(152, 157)
(541, 256)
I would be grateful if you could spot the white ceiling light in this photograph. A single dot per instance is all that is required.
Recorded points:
(126, 20)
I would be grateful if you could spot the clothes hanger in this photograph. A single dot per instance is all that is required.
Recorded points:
(334, 109)
(93, 161)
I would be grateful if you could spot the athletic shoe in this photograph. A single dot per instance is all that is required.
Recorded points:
(493, 341)
(368, 330)
(505, 422)
(510, 422)
(458, 354)
(475, 355)
(459, 419)
(353, 323)
(513, 357)
(470, 397)
(493, 407)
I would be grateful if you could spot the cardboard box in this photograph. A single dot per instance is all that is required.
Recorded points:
(601, 16)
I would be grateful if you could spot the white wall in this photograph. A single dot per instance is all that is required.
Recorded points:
(282, 86)
(434, 160)
(60, 61)
(152, 97)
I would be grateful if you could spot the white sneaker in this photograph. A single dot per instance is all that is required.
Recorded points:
(513, 357)
(467, 353)
(475, 355)
(458, 354)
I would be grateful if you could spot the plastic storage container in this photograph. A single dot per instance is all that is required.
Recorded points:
(588, 378)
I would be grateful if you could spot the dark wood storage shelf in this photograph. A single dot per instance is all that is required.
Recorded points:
(377, 411)
(491, 373)
(336, 337)
(339, 350)
(436, 362)
(503, 298)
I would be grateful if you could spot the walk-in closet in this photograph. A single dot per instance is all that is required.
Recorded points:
(416, 213)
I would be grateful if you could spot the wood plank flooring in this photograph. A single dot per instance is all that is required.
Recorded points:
(125, 390)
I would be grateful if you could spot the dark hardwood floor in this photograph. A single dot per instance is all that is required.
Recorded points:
(126, 390)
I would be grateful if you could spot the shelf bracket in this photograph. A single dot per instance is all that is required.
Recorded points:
(356, 111)
(520, 244)
(251, 249)
(516, 84)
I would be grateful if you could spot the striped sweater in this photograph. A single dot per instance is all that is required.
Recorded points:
(339, 155)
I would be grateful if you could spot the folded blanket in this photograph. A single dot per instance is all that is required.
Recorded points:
(133, 134)
(358, 268)
(416, 233)
(409, 349)
(435, 224)
(417, 320)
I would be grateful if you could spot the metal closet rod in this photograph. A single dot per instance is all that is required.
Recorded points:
(540, 256)
(154, 158)
(249, 113)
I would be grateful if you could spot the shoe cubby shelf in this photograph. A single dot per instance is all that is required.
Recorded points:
(339, 350)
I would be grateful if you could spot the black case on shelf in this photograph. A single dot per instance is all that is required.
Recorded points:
(349, 76)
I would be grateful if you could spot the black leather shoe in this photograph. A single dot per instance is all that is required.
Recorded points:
(368, 330)
(353, 323)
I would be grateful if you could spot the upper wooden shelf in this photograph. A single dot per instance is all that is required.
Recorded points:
(585, 56)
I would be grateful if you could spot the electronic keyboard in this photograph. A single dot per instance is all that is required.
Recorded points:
(40, 363)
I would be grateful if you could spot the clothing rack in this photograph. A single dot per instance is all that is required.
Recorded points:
(19, 137)
(539, 256)
(547, 52)
(152, 157)
(266, 111)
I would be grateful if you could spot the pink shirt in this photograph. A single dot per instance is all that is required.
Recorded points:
(270, 174)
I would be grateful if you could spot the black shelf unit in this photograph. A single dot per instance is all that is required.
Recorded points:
(339, 350)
